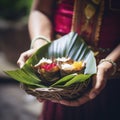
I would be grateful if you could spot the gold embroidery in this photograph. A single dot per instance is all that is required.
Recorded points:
(98, 24)
(96, 1)
(87, 20)
(89, 11)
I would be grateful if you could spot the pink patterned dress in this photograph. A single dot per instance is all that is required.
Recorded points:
(106, 105)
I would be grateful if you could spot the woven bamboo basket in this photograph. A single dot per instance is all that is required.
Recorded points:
(70, 45)
(69, 93)
(33, 84)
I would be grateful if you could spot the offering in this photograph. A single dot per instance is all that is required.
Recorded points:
(48, 70)
(62, 69)
(69, 66)
(51, 70)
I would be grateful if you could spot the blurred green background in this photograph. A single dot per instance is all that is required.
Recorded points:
(15, 104)
(14, 9)
(14, 35)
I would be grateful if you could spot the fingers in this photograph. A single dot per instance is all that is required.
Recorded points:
(21, 60)
(99, 82)
(82, 100)
(77, 102)
(23, 57)
(41, 100)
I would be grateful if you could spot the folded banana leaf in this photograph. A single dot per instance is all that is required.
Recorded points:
(71, 45)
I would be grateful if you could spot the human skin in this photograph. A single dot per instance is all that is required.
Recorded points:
(40, 24)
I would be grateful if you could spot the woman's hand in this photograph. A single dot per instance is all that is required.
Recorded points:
(24, 56)
(99, 82)
(22, 59)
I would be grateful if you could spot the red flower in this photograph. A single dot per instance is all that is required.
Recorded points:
(48, 66)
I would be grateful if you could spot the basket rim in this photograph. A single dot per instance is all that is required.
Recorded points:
(53, 93)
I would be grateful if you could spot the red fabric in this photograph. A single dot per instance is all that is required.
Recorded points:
(109, 33)
(63, 17)
(105, 106)
(110, 29)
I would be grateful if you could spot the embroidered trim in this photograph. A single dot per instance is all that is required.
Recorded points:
(88, 22)
(98, 26)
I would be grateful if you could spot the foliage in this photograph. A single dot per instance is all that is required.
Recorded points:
(14, 9)
(71, 45)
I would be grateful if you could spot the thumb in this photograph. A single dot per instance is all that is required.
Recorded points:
(20, 64)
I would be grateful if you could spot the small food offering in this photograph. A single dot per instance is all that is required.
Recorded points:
(51, 70)
(69, 66)
(61, 69)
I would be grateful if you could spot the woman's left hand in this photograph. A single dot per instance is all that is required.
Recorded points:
(99, 82)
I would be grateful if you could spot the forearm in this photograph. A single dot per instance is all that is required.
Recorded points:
(40, 23)
(112, 61)
(115, 54)
(39, 26)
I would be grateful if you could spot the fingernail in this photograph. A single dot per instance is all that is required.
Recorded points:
(92, 95)
(21, 65)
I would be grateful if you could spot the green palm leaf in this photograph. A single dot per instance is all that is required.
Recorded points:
(63, 80)
(77, 79)
(71, 45)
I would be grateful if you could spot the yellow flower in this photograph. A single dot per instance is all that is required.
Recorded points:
(77, 65)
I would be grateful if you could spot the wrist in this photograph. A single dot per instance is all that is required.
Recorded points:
(39, 41)
(114, 65)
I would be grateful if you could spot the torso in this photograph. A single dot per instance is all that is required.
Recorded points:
(109, 30)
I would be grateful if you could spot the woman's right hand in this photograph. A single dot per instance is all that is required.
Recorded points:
(22, 59)
(24, 56)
